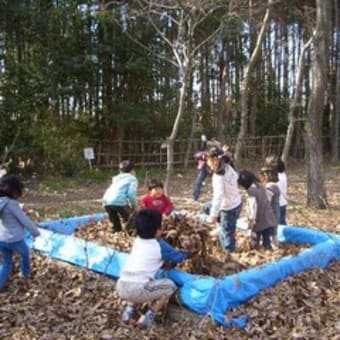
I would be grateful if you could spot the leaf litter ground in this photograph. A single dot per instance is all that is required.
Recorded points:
(62, 301)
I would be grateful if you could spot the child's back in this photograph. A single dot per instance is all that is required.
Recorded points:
(120, 198)
(13, 221)
(274, 198)
(265, 217)
(122, 190)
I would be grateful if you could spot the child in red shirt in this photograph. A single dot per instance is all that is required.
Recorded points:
(156, 198)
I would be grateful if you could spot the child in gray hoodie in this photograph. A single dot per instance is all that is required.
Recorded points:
(13, 222)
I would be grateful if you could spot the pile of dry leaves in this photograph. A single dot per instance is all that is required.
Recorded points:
(190, 235)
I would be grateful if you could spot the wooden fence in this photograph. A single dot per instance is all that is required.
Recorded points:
(146, 153)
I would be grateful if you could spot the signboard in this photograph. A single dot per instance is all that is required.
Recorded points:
(88, 153)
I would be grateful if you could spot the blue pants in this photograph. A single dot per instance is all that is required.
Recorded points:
(228, 227)
(283, 215)
(265, 234)
(7, 250)
(201, 176)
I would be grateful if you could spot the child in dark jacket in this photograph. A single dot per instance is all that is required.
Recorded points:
(261, 216)
(270, 180)
(156, 199)
(13, 222)
(137, 283)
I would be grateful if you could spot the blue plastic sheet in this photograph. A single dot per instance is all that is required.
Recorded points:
(80, 252)
(203, 295)
(69, 225)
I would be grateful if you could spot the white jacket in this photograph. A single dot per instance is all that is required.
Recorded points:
(226, 195)
(283, 184)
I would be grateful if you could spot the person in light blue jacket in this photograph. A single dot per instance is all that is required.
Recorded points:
(13, 222)
(120, 198)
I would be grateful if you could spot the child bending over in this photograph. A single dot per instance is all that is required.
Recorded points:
(261, 216)
(156, 199)
(120, 198)
(13, 222)
(137, 283)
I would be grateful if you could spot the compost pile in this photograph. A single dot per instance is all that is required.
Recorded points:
(187, 233)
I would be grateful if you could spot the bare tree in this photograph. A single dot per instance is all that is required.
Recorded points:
(296, 102)
(246, 82)
(316, 193)
(187, 17)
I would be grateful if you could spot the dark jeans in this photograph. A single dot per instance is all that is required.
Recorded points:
(201, 176)
(7, 250)
(283, 209)
(206, 210)
(265, 235)
(116, 212)
(228, 227)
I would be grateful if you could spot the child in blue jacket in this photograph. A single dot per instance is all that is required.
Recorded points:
(137, 283)
(13, 222)
(120, 198)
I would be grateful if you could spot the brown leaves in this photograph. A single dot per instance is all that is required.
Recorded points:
(66, 302)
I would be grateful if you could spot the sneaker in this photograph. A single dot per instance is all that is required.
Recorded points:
(147, 320)
(128, 314)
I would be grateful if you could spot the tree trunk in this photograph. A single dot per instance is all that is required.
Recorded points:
(335, 127)
(295, 103)
(171, 139)
(316, 193)
(245, 84)
(221, 114)
(189, 144)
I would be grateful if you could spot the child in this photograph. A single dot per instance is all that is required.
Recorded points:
(226, 202)
(200, 158)
(261, 216)
(269, 179)
(13, 222)
(156, 199)
(278, 163)
(137, 283)
(120, 198)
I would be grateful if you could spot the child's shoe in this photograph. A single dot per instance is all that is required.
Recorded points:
(128, 314)
(147, 320)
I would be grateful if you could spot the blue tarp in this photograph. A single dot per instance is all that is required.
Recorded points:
(202, 294)
(69, 225)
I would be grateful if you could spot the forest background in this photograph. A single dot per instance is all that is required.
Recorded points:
(73, 71)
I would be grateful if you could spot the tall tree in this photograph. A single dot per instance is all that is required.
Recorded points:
(295, 104)
(316, 193)
(246, 82)
(335, 121)
(187, 38)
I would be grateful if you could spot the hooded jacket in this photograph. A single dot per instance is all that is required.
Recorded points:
(13, 221)
(122, 191)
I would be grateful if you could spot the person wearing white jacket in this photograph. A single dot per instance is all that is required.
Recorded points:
(227, 201)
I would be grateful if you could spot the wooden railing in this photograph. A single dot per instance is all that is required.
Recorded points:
(146, 153)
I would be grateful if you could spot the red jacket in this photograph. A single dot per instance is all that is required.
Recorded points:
(161, 204)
